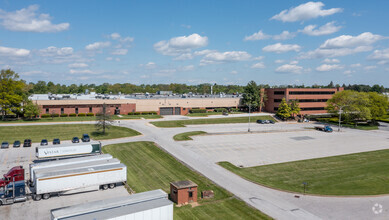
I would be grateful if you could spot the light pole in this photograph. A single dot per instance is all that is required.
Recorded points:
(340, 117)
(249, 116)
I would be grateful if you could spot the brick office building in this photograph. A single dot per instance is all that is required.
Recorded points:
(311, 100)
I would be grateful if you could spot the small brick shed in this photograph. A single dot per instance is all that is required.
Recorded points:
(183, 192)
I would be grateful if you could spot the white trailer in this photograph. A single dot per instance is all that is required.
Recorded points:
(88, 164)
(58, 182)
(151, 205)
(68, 150)
(67, 161)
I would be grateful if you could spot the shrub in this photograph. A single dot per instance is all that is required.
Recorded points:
(90, 114)
(72, 115)
(131, 113)
(81, 114)
(54, 115)
(64, 115)
(220, 110)
(198, 111)
(136, 113)
(45, 115)
(149, 113)
(153, 113)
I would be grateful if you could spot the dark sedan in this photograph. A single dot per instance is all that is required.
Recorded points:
(56, 141)
(16, 144)
(85, 138)
(44, 142)
(75, 140)
(27, 143)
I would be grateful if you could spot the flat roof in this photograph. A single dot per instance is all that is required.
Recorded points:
(71, 160)
(50, 145)
(115, 207)
(184, 184)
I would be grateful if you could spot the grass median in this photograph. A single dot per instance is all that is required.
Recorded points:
(354, 174)
(187, 135)
(227, 120)
(64, 132)
(150, 168)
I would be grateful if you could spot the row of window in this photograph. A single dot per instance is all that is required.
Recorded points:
(307, 109)
(305, 92)
(63, 111)
(305, 100)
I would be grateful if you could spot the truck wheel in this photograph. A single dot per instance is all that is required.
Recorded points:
(38, 197)
(112, 185)
(1, 203)
(46, 196)
(105, 187)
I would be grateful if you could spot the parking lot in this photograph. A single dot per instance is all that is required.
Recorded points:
(31, 209)
(269, 144)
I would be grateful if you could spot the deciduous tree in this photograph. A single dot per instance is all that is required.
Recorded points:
(283, 110)
(11, 92)
(103, 119)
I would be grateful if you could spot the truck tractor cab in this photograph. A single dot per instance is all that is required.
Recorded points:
(15, 191)
(14, 174)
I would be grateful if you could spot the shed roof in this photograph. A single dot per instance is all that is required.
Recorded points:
(183, 184)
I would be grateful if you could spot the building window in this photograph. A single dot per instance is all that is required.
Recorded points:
(90, 109)
(311, 92)
(190, 194)
(275, 108)
(76, 110)
(277, 100)
(312, 100)
(47, 111)
(62, 111)
(279, 92)
(312, 109)
(183, 108)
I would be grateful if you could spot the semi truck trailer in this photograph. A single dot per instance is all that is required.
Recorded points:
(68, 150)
(65, 162)
(104, 176)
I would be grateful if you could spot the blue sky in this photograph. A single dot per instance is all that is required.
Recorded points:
(223, 42)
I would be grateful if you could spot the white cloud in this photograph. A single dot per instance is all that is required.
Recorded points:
(150, 65)
(328, 67)
(184, 56)
(34, 72)
(78, 65)
(259, 65)
(348, 41)
(179, 45)
(187, 68)
(109, 58)
(305, 12)
(281, 48)
(119, 52)
(28, 20)
(343, 45)
(294, 62)
(381, 55)
(98, 45)
(234, 72)
(349, 72)
(203, 52)
(285, 35)
(115, 36)
(369, 68)
(279, 61)
(229, 56)
(326, 29)
(54, 51)
(289, 68)
(13, 52)
(77, 71)
(258, 36)
(327, 60)
(258, 58)
(355, 65)
(262, 36)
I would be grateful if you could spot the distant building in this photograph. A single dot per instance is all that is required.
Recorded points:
(164, 93)
(183, 192)
(311, 100)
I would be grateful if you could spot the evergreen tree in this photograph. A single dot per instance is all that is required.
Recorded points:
(283, 110)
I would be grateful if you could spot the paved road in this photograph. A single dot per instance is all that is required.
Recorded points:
(280, 205)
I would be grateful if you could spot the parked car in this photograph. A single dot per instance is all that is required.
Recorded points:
(225, 113)
(16, 144)
(5, 144)
(261, 121)
(271, 122)
(75, 140)
(44, 142)
(27, 143)
(56, 141)
(85, 138)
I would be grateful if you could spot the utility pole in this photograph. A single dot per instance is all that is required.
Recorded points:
(249, 116)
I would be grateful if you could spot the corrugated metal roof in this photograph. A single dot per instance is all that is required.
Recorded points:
(110, 208)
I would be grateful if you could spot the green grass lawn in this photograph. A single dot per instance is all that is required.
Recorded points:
(64, 132)
(210, 113)
(150, 168)
(354, 174)
(85, 118)
(186, 136)
(182, 123)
